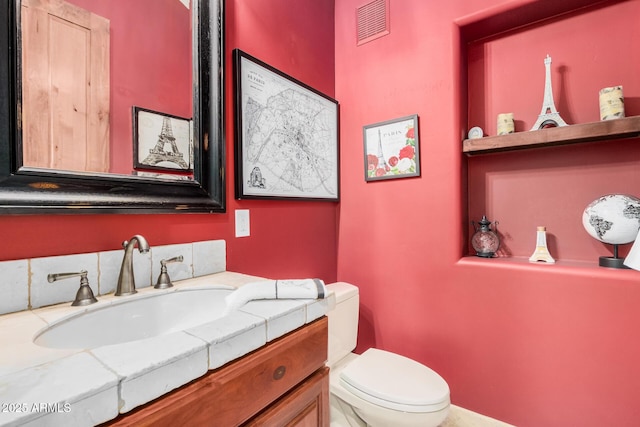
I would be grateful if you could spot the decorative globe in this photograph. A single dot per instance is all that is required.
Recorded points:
(613, 219)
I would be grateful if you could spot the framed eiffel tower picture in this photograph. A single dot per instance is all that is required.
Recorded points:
(161, 142)
(391, 149)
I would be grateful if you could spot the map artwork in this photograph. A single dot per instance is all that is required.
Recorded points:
(289, 137)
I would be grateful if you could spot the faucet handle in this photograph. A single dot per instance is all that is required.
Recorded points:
(178, 258)
(84, 296)
(164, 281)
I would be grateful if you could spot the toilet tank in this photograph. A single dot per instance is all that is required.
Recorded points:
(343, 321)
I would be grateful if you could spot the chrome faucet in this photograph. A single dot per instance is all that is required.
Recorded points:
(164, 281)
(84, 296)
(126, 281)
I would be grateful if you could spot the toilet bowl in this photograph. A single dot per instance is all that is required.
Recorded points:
(377, 388)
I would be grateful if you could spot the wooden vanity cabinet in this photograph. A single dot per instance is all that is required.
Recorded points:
(305, 406)
(284, 383)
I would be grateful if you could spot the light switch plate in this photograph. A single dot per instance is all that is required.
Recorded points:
(243, 228)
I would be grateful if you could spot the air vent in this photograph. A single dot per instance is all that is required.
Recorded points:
(372, 21)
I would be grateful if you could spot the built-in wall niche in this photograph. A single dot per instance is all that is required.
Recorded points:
(592, 45)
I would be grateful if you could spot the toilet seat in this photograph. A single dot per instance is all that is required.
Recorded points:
(395, 382)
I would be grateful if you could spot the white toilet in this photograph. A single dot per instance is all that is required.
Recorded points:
(377, 388)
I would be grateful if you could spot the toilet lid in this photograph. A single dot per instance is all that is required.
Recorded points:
(395, 382)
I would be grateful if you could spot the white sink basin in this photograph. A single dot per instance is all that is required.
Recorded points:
(136, 317)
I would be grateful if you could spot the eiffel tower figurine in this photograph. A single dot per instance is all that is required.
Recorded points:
(157, 153)
(549, 116)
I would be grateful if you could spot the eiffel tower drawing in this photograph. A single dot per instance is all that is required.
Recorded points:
(157, 154)
(549, 115)
(381, 162)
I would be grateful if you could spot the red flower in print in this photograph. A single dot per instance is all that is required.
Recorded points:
(393, 160)
(372, 162)
(411, 133)
(407, 152)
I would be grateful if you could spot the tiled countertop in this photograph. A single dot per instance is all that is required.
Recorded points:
(83, 387)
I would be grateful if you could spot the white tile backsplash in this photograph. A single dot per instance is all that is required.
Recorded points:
(141, 268)
(177, 270)
(14, 286)
(209, 257)
(110, 262)
(25, 286)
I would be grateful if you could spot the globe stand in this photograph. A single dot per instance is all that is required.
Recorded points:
(614, 261)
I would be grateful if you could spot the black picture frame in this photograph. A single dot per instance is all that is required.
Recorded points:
(287, 135)
(392, 149)
(161, 142)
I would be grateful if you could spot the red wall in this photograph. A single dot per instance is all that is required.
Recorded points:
(530, 344)
(288, 239)
(583, 62)
(154, 72)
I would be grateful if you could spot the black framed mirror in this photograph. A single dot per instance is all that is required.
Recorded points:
(34, 190)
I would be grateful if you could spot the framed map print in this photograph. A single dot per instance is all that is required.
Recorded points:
(286, 135)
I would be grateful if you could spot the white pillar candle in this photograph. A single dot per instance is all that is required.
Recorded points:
(611, 103)
(505, 124)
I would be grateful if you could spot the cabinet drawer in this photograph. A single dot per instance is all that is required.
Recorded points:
(234, 393)
(306, 405)
(253, 382)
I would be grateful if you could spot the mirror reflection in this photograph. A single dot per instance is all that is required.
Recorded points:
(107, 86)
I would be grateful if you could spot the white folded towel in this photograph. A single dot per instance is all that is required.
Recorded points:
(275, 289)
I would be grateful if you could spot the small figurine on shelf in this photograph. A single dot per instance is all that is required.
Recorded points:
(542, 252)
(485, 241)
(476, 132)
(549, 116)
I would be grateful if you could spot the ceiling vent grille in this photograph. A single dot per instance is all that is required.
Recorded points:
(372, 21)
